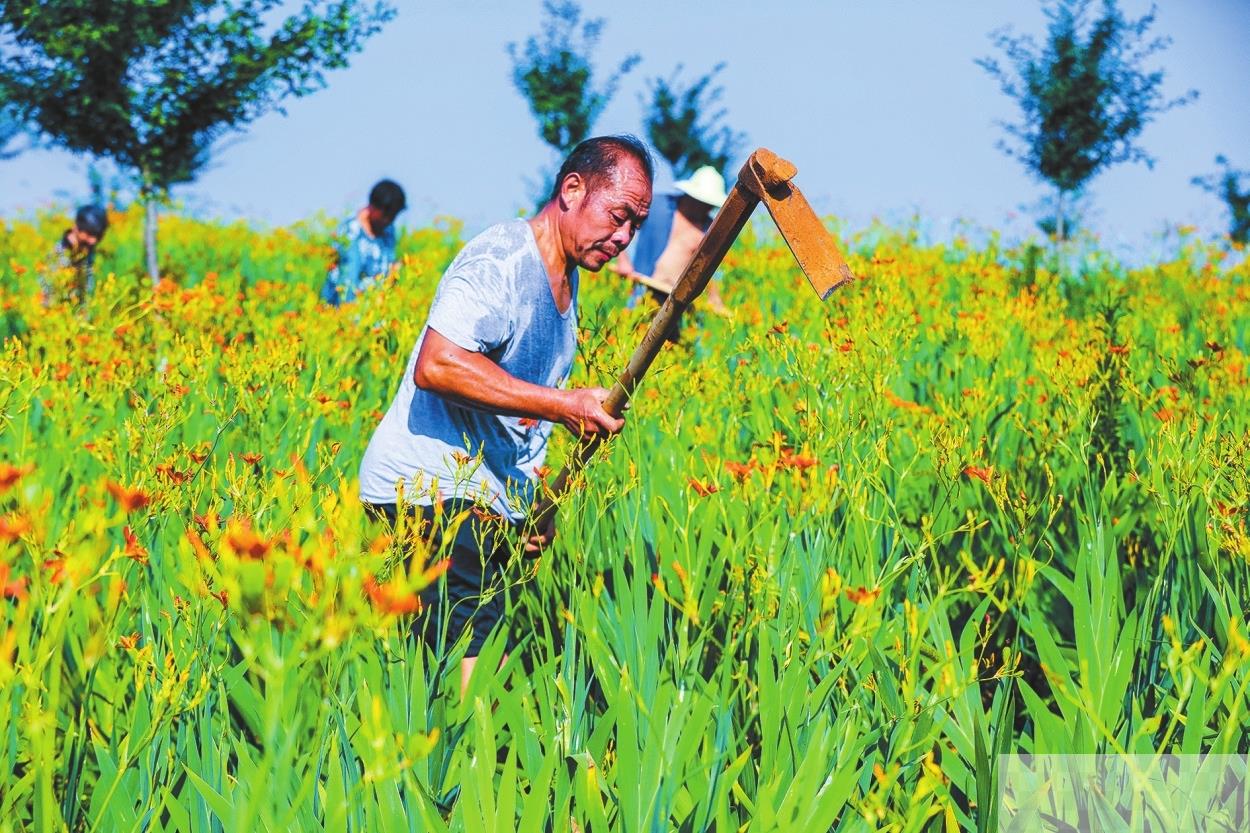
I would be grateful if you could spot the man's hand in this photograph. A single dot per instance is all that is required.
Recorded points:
(664, 285)
(540, 539)
(584, 414)
(716, 303)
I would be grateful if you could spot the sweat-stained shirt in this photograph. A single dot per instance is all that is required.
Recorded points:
(493, 299)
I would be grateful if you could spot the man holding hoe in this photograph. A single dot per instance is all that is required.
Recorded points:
(481, 391)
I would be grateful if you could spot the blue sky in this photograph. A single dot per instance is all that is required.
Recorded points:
(879, 104)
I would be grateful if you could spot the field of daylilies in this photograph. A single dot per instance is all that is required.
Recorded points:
(842, 558)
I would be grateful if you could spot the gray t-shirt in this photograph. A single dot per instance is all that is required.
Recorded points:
(493, 299)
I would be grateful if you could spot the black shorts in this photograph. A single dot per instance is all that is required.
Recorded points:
(469, 596)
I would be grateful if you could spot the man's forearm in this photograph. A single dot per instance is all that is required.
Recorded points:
(473, 380)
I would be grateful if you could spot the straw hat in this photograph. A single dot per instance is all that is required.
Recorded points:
(705, 185)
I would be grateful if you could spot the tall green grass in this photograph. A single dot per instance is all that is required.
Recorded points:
(841, 559)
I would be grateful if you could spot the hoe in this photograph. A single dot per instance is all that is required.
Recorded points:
(765, 178)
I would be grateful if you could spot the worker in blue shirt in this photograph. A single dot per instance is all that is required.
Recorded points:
(73, 265)
(365, 245)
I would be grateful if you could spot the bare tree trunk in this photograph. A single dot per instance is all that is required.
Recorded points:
(1059, 237)
(149, 236)
(1060, 232)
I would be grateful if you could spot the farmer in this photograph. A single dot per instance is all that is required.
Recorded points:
(365, 245)
(673, 232)
(74, 258)
(481, 391)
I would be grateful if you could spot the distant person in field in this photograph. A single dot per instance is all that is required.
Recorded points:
(365, 245)
(482, 388)
(673, 232)
(72, 276)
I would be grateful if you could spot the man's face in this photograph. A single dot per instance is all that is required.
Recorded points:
(699, 213)
(85, 240)
(601, 217)
(380, 220)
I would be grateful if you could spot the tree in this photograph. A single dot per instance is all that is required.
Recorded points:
(1084, 97)
(554, 74)
(152, 86)
(1227, 185)
(678, 124)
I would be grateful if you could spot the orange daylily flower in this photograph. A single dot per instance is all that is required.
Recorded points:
(197, 544)
(390, 600)
(129, 500)
(57, 567)
(15, 589)
(134, 549)
(10, 474)
(167, 471)
(906, 405)
(862, 595)
(244, 541)
(431, 573)
(985, 475)
(794, 461)
(13, 527)
(704, 489)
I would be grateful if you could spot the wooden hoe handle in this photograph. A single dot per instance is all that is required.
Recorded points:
(763, 170)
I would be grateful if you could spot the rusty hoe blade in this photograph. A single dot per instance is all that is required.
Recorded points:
(769, 178)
